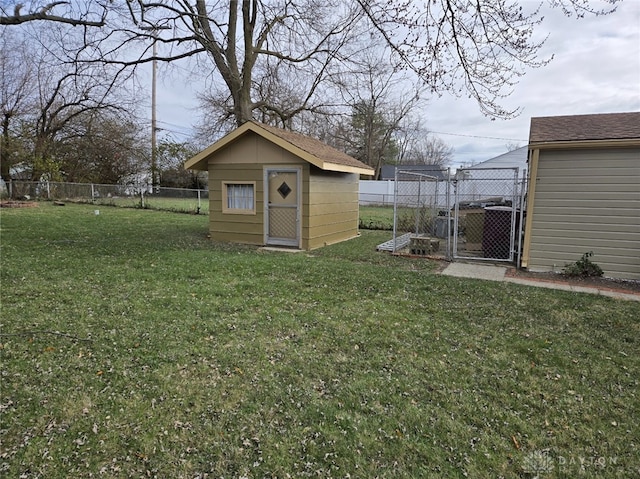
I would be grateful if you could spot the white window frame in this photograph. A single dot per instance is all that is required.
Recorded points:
(229, 187)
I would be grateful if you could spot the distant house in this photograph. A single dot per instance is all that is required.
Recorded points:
(269, 186)
(584, 193)
(512, 159)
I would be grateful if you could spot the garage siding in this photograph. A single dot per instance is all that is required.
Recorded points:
(587, 200)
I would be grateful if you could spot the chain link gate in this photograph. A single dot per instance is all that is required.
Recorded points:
(487, 214)
(475, 215)
(421, 213)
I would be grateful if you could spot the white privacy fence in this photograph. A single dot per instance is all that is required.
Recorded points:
(377, 193)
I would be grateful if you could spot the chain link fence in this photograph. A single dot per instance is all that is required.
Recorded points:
(420, 214)
(476, 214)
(128, 196)
(487, 213)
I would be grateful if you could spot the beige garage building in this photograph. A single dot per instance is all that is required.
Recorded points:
(269, 186)
(584, 193)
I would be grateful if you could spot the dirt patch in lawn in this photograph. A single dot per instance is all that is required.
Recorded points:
(625, 286)
(18, 204)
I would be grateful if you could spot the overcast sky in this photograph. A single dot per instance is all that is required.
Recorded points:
(596, 69)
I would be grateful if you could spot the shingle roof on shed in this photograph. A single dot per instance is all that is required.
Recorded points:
(315, 147)
(603, 126)
(314, 151)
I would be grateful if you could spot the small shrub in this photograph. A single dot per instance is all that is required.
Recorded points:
(584, 267)
(416, 221)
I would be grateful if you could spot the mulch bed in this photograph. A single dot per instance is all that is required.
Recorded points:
(609, 284)
(18, 204)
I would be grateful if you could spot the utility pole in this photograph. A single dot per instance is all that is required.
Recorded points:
(154, 149)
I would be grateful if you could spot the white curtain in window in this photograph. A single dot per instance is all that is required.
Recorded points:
(240, 197)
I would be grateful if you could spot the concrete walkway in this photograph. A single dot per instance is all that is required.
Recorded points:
(499, 273)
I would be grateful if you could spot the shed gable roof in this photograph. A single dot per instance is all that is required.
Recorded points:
(309, 149)
(597, 127)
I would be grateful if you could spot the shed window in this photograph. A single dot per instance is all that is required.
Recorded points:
(238, 198)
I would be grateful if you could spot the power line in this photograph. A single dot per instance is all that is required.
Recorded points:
(186, 128)
(477, 136)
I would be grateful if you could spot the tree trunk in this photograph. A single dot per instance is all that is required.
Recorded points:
(5, 166)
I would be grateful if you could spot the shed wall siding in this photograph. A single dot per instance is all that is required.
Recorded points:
(329, 202)
(332, 208)
(253, 149)
(235, 227)
(587, 200)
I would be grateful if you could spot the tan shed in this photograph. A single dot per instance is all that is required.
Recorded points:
(584, 193)
(269, 186)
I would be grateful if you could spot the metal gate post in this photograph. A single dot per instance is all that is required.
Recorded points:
(523, 195)
(456, 216)
(395, 209)
(514, 209)
(417, 228)
(434, 209)
(448, 204)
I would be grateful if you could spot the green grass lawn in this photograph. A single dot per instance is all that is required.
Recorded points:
(132, 346)
(180, 205)
(376, 217)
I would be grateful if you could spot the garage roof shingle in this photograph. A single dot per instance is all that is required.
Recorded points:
(603, 126)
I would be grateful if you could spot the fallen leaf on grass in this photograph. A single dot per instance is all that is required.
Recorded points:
(515, 442)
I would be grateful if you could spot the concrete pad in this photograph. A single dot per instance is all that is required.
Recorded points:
(477, 271)
(541, 284)
(619, 295)
(498, 273)
(575, 289)
(280, 249)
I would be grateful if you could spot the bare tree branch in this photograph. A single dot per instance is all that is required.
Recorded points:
(43, 13)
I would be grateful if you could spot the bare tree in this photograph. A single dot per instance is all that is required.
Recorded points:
(434, 151)
(53, 96)
(88, 14)
(17, 85)
(71, 95)
(419, 147)
(379, 100)
(102, 146)
(248, 42)
(477, 48)
(511, 146)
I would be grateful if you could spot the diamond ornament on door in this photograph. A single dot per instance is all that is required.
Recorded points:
(284, 189)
